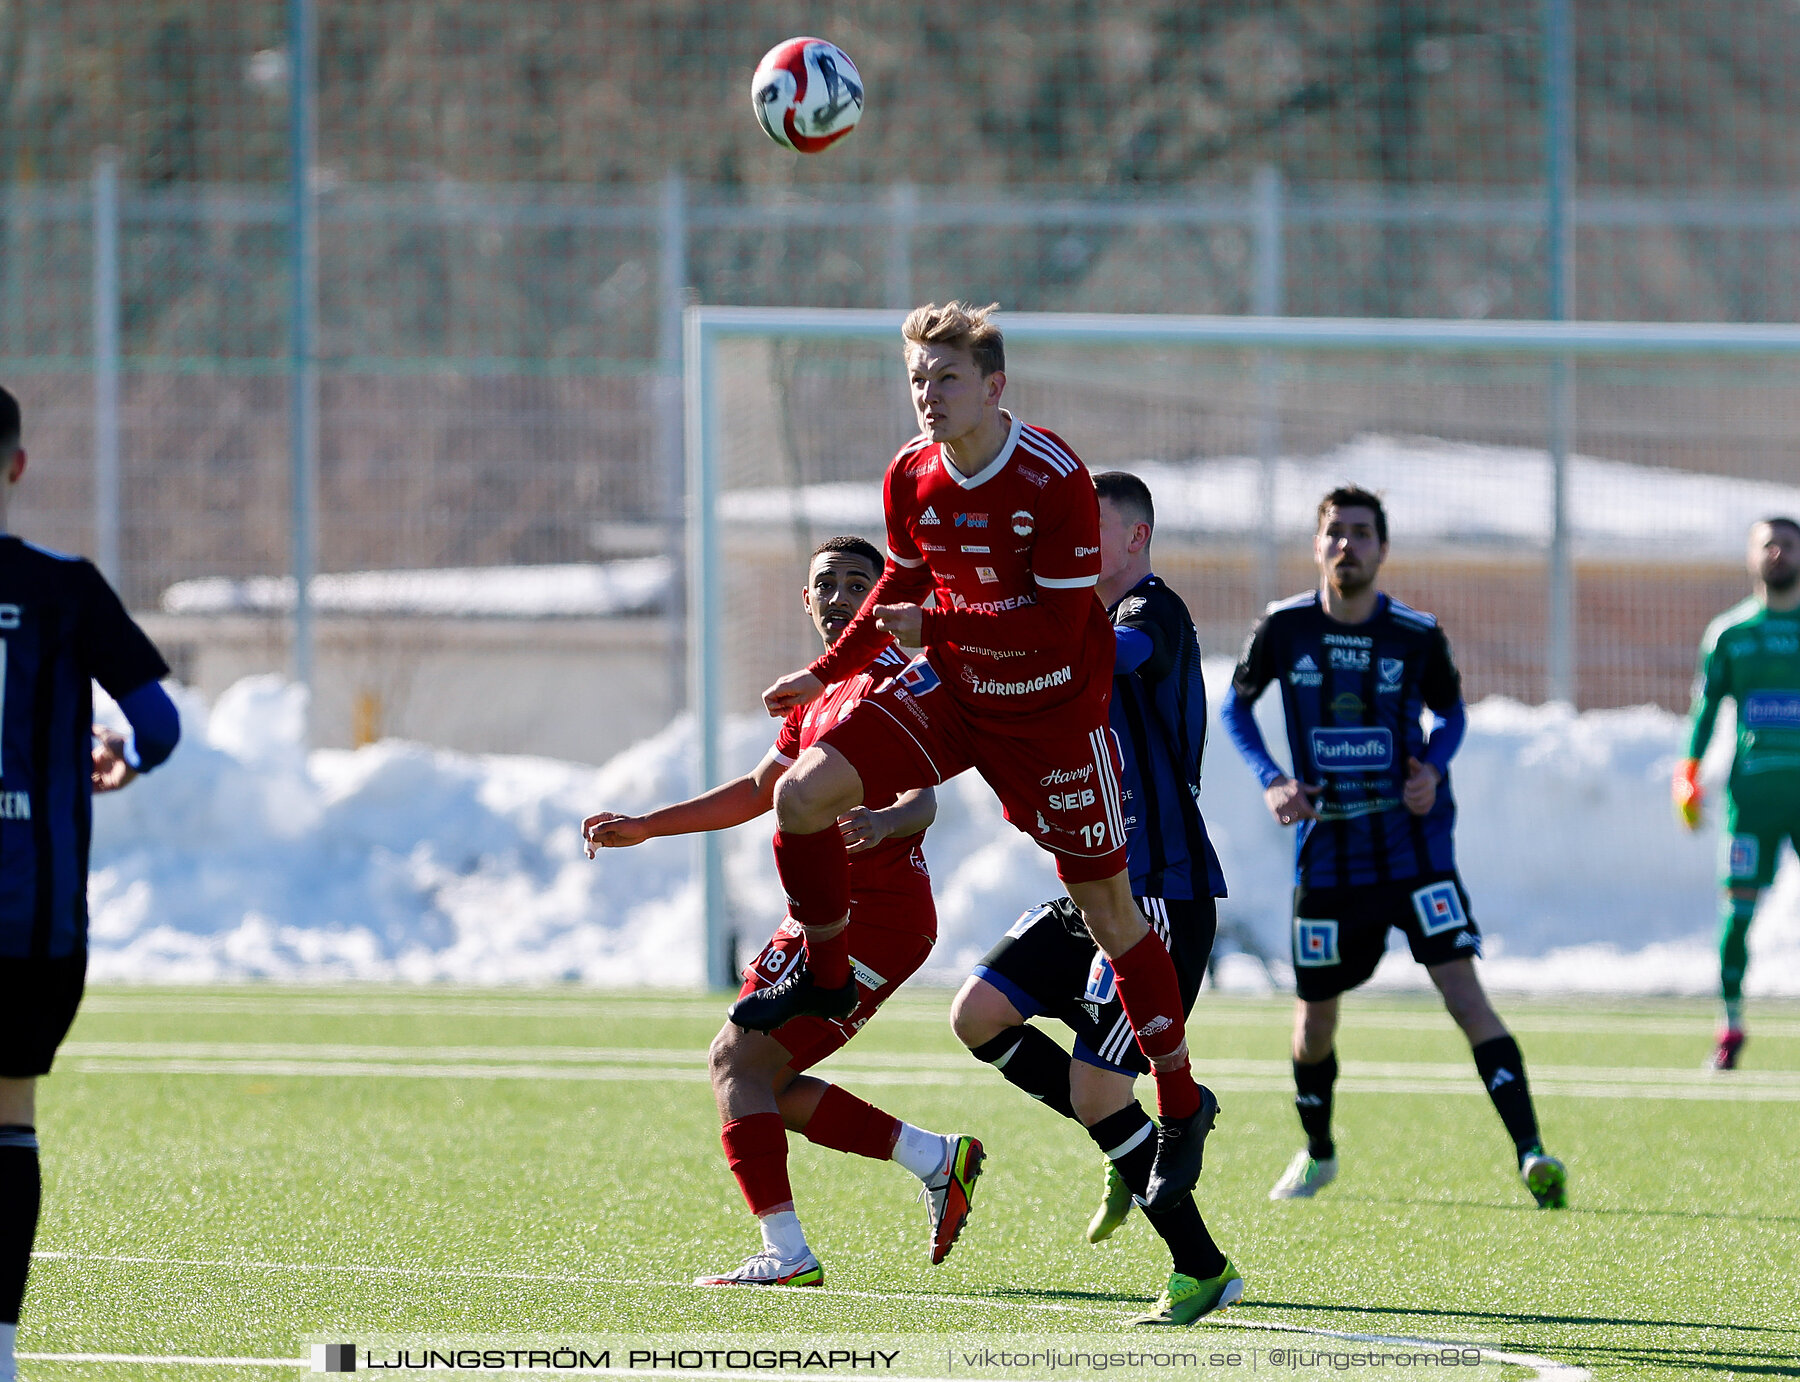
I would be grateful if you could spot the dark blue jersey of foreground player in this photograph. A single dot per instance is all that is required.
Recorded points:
(61, 629)
(1354, 696)
(1159, 716)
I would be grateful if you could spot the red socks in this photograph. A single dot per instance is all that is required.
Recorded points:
(815, 874)
(756, 1151)
(1151, 995)
(845, 1123)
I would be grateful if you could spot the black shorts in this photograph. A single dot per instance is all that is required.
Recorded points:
(1048, 965)
(1340, 934)
(38, 999)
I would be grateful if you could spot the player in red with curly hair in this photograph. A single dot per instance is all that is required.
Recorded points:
(998, 523)
(759, 1078)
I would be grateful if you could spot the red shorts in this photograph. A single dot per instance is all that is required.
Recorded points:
(1062, 790)
(882, 957)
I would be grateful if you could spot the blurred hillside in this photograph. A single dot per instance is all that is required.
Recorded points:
(1147, 94)
(504, 247)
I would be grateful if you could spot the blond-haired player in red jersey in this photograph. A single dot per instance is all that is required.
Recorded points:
(758, 1079)
(998, 523)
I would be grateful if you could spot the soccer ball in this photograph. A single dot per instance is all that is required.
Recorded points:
(807, 94)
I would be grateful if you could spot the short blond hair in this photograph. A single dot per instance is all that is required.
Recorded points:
(957, 324)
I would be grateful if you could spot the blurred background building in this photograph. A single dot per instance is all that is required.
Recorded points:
(514, 201)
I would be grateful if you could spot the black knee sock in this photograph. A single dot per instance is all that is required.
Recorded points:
(1503, 1074)
(1312, 1101)
(1128, 1139)
(1033, 1062)
(19, 1192)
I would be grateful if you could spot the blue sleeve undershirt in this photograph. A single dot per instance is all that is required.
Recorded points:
(155, 726)
(1134, 647)
(1239, 717)
(1447, 730)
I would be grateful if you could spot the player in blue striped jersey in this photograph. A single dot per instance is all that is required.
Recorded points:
(61, 628)
(1048, 966)
(1374, 712)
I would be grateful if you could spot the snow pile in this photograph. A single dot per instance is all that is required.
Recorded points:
(1437, 492)
(244, 857)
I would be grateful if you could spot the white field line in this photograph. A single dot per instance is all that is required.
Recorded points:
(848, 1059)
(621, 1005)
(610, 1064)
(1543, 1367)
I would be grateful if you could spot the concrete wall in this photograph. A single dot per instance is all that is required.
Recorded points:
(579, 689)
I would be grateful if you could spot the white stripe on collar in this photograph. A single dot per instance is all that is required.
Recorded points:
(992, 468)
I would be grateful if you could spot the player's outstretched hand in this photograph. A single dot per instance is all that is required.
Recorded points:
(110, 771)
(1420, 792)
(792, 691)
(905, 624)
(610, 830)
(1687, 794)
(862, 829)
(1291, 801)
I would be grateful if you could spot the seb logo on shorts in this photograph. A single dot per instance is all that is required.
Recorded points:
(1077, 797)
(1364, 748)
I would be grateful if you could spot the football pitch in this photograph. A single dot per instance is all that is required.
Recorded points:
(234, 1175)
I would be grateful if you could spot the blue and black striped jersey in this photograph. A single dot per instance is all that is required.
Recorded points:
(1159, 717)
(61, 629)
(1355, 698)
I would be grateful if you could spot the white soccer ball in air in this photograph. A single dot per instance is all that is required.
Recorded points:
(807, 94)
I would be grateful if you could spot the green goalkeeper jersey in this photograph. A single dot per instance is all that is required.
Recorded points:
(1752, 654)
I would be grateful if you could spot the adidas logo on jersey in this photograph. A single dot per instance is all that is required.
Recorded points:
(929, 516)
(1306, 664)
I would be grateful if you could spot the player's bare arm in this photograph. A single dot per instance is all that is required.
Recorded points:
(911, 813)
(1420, 792)
(112, 770)
(1290, 801)
(732, 803)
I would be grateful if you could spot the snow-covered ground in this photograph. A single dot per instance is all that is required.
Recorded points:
(245, 857)
(1436, 491)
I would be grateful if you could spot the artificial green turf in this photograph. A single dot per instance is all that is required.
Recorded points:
(287, 1204)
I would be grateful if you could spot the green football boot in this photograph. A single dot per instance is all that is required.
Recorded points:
(1185, 1300)
(1113, 1209)
(1545, 1178)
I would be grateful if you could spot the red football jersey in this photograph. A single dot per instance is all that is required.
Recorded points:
(897, 864)
(1012, 555)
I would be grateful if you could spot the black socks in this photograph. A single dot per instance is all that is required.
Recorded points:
(1312, 1101)
(1128, 1138)
(1028, 1058)
(19, 1193)
(1503, 1075)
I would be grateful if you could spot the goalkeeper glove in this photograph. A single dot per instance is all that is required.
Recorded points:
(1687, 793)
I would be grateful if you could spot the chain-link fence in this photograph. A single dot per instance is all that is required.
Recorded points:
(515, 201)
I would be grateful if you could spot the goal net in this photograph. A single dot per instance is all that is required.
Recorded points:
(1570, 499)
